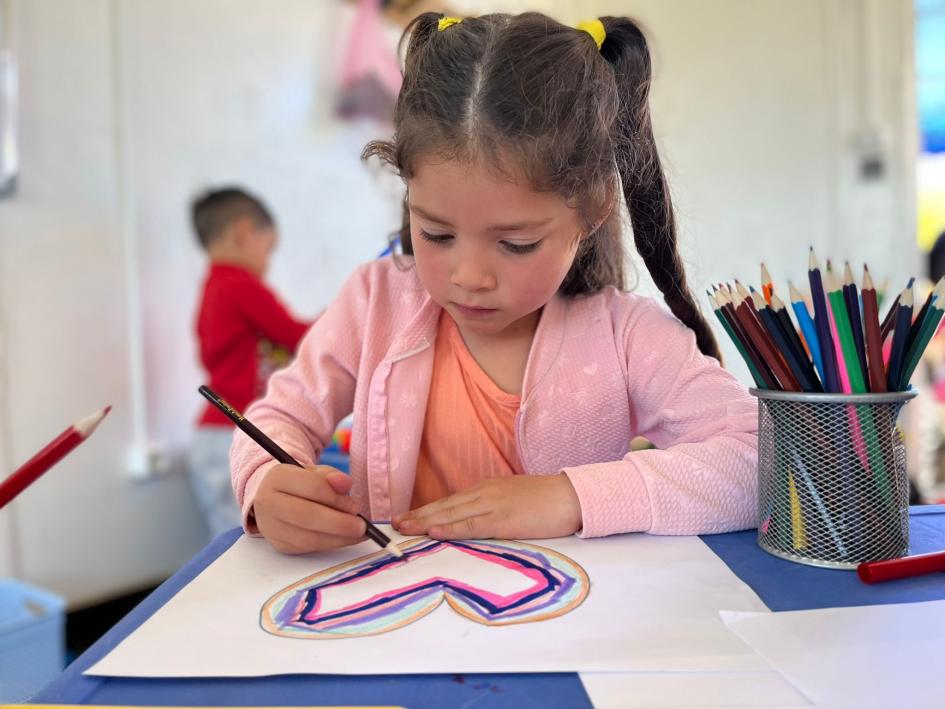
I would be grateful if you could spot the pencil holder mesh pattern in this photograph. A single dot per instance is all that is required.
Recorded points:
(832, 483)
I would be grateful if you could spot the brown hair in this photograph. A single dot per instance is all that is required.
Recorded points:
(526, 92)
(214, 210)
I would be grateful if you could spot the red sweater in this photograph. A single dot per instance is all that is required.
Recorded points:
(245, 333)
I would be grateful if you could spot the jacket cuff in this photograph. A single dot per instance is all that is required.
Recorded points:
(612, 501)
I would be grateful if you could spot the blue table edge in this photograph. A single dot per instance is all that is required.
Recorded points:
(737, 549)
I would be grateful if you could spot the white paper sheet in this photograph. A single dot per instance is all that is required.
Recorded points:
(691, 690)
(653, 605)
(867, 656)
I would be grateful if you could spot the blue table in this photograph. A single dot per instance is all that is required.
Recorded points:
(782, 585)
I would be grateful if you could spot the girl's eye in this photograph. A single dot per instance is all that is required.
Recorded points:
(435, 238)
(521, 248)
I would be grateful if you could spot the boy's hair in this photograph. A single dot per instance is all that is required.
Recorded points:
(526, 93)
(214, 210)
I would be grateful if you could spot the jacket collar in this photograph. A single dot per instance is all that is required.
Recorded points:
(546, 345)
(420, 334)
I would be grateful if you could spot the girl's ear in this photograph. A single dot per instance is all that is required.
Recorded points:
(604, 209)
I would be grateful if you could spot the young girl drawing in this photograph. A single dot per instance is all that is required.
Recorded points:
(498, 371)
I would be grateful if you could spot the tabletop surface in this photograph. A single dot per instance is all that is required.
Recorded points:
(782, 585)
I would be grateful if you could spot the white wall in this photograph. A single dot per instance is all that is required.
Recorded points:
(83, 528)
(130, 106)
(222, 92)
(759, 107)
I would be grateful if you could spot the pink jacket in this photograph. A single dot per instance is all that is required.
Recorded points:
(602, 369)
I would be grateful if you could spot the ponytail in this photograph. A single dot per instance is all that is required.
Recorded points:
(644, 184)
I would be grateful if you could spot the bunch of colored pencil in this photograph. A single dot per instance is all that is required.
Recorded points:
(843, 347)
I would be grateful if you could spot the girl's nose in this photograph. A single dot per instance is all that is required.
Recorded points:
(471, 274)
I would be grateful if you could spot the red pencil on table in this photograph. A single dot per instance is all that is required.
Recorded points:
(54, 451)
(890, 569)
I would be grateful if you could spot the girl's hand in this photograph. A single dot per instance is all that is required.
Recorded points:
(301, 510)
(515, 507)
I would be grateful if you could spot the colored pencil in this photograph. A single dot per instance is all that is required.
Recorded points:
(745, 294)
(736, 340)
(762, 369)
(52, 453)
(889, 322)
(809, 330)
(834, 333)
(774, 329)
(748, 294)
(900, 337)
(852, 299)
(787, 325)
(749, 319)
(926, 333)
(920, 317)
(874, 341)
(811, 489)
(767, 286)
(904, 567)
(845, 334)
(822, 322)
(798, 533)
(273, 449)
(890, 319)
(917, 319)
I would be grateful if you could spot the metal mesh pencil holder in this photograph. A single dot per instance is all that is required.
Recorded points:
(832, 483)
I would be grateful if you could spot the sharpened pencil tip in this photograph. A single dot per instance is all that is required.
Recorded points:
(395, 550)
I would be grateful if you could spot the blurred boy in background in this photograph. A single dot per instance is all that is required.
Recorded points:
(244, 334)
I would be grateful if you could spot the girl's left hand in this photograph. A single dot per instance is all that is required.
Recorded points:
(514, 507)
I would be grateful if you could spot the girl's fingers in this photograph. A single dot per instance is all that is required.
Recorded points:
(444, 505)
(478, 527)
(338, 481)
(446, 515)
(315, 517)
(311, 484)
(290, 539)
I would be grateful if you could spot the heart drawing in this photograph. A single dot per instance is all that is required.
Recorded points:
(490, 582)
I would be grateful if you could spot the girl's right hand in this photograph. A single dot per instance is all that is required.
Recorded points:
(301, 510)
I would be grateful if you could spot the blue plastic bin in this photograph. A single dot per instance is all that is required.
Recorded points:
(32, 639)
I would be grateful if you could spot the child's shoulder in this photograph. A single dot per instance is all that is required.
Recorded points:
(630, 314)
(622, 305)
(388, 283)
(387, 274)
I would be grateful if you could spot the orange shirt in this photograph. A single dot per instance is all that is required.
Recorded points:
(469, 426)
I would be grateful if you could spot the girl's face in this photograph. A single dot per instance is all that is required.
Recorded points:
(489, 250)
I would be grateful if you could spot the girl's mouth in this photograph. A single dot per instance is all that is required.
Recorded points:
(473, 311)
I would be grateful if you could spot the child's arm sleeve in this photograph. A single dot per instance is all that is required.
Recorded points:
(306, 400)
(268, 316)
(702, 476)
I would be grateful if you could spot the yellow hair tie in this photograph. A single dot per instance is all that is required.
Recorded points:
(595, 28)
(448, 22)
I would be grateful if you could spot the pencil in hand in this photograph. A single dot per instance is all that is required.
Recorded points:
(273, 449)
